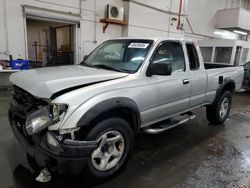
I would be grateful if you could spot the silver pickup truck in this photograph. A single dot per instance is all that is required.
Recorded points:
(82, 119)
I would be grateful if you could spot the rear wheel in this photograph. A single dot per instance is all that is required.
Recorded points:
(219, 111)
(115, 141)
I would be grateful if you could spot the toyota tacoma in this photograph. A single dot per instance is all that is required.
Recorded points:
(82, 119)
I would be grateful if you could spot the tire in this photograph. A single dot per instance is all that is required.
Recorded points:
(217, 116)
(94, 173)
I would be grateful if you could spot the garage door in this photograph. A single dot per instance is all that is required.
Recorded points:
(49, 15)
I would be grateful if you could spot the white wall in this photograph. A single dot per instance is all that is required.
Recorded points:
(3, 35)
(14, 28)
(143, 21)
(153, 22)
(201, 16)
(91, 33)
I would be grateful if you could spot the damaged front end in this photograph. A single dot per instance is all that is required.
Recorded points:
(31, 119)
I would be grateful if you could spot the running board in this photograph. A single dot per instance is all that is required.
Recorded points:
(159, 128)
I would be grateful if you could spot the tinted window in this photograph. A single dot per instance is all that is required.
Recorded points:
(223, 54)
(193, 57)
(207, 53)
(171, 53)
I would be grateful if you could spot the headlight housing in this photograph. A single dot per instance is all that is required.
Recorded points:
(44, 117)
(38, 120)
(58, 109)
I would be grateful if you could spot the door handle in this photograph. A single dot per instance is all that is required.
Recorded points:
(185, 81)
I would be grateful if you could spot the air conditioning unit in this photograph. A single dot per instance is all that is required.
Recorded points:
(115, 12)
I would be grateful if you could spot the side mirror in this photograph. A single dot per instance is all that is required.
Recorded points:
(160, 68)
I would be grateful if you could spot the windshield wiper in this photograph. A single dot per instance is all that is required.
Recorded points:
(107, 67)
(86, 65)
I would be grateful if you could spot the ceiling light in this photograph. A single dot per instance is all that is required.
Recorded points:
(225, 34)
(240, 32)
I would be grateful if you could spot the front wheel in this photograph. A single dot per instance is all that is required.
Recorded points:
(115, 141)
(219, 111)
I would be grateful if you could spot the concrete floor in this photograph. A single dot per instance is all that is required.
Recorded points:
(193, 155)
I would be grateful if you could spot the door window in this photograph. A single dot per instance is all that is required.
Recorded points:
(193, 57)
(171, 53)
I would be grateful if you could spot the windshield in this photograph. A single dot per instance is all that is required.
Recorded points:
(119, 55)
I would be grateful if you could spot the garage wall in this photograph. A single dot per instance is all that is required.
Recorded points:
(14, 29)
(153, 18)
(3, 32)
(159, 20)
(87, 35)
(91, 32)
(201, 16)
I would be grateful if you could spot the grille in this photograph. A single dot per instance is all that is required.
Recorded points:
(26, 102)
(22, 105)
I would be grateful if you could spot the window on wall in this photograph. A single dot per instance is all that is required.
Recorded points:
(244, 55)
(207, 53)
(223, 55)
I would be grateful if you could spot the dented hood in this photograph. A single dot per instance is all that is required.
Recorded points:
(44, 82)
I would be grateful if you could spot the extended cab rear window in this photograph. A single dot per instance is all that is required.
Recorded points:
(193, 57)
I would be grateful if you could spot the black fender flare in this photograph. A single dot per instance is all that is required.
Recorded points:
(228, 84)
(108, 105)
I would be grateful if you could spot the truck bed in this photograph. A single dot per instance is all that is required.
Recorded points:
(214, 71)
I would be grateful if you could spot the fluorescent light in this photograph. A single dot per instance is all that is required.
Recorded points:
(240, 32)
(225, 34)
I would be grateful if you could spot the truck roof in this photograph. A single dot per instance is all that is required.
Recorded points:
(157, 38)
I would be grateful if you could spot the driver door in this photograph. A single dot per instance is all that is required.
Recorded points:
(168, 94)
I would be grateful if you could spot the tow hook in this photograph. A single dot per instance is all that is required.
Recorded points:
(44, 176)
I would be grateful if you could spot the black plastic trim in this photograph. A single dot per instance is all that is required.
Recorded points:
(222, 86)
(105, 106)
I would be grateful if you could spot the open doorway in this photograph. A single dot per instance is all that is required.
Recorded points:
(50, 43)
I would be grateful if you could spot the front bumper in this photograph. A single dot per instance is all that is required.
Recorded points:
(70, 159)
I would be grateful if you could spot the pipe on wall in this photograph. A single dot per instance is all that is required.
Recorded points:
(179, 16)
(94, 41)
(169, 20)
(80, 7)
(6, 52)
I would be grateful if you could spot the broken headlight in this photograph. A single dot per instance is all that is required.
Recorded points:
(38, 120)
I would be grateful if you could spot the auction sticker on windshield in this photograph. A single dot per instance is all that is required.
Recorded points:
(138, 45)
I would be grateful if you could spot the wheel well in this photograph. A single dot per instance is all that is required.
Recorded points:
(230, 86)
(122, 112)
(125, 113)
